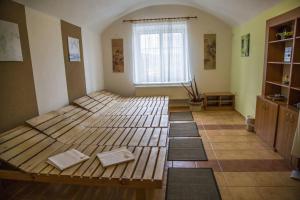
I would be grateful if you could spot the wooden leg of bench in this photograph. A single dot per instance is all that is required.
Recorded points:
(140, 194)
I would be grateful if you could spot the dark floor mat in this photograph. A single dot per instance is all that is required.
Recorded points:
(192, 184)
(181, 116)
(189, 129)
(186, 149)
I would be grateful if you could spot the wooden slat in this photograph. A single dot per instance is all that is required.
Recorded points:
(122, 137)
(121, 167)
(42, 118)
(146, 138)
(100, 169)
(163, 137)
(18, 149)
(41, 157)
(155, 137)
(13, 134)
(85, 165)
(94, 165)
(44, 167)
(160, 164)
(164, 121)
(140, 168)
(151, 164)
(131, 166)
(29, 153)
(8, 144)
(135, 140)
(13, 130)
(115, 137)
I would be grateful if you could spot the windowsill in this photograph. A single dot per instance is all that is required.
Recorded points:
(159, 85)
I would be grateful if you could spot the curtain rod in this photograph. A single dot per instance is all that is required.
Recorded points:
(160, 19)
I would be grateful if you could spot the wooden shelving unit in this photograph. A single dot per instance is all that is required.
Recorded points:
(275, 65)
(276, 121)
(219, 100)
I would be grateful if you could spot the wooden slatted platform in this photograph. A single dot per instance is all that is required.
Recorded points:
(28, 149)
(98, 122)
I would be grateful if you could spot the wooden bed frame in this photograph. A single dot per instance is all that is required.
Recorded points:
(95, 123)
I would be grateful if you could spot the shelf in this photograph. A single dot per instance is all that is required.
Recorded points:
(284, 102)
(296, 63)
(283, 40)
(279, 63)
(295, 88)
(219, 100)
(297, 37)
(277, 83)
(213, 101)
(226, 101)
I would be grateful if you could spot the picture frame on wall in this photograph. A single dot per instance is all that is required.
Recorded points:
(74, 49)
(10, 43)
(117, 55)
(245, 45)
(210, 51)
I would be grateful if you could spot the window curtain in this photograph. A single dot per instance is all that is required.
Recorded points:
(160, 53)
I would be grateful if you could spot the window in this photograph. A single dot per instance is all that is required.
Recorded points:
(160, 53)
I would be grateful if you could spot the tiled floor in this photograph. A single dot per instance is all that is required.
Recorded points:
(245, 168)
(248, 168)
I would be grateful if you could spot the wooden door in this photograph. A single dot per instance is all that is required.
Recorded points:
(282, 132)
(259, 116)
(270, 122)
(266, 120)
(287, 124)
(293, 122)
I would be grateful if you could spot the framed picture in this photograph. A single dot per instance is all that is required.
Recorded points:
(117, 55)
(210, 51)
(74, 49)
(10, 43)
(245, 45)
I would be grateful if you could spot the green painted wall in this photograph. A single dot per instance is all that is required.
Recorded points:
(247, 72)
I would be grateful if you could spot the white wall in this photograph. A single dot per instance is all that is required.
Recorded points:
(48, 65)
(208, 80)
(91, 43)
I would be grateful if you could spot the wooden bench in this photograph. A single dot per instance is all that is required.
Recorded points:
(141, 126)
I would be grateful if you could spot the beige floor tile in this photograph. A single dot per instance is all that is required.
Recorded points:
(225, 193)
(220, 179)
(240, 179)
(275, 179)
(210, 154)
(232, 138)
(237, 146)
(246, 154)
(279, 193)
(245, 193)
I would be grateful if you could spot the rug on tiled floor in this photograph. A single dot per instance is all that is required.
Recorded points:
(189, 129)
(181, 116)
(186, 149)
(191, 184)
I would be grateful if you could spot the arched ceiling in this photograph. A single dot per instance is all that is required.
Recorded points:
(98, 14)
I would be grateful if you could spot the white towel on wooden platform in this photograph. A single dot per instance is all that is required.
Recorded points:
(296, 144)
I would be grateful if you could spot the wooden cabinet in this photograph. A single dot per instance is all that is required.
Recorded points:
(276, 110)
(266, 120)
(287, 124)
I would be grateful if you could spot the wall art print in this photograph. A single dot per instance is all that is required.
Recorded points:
(117, 55)
(10, 43)
(209, 51)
